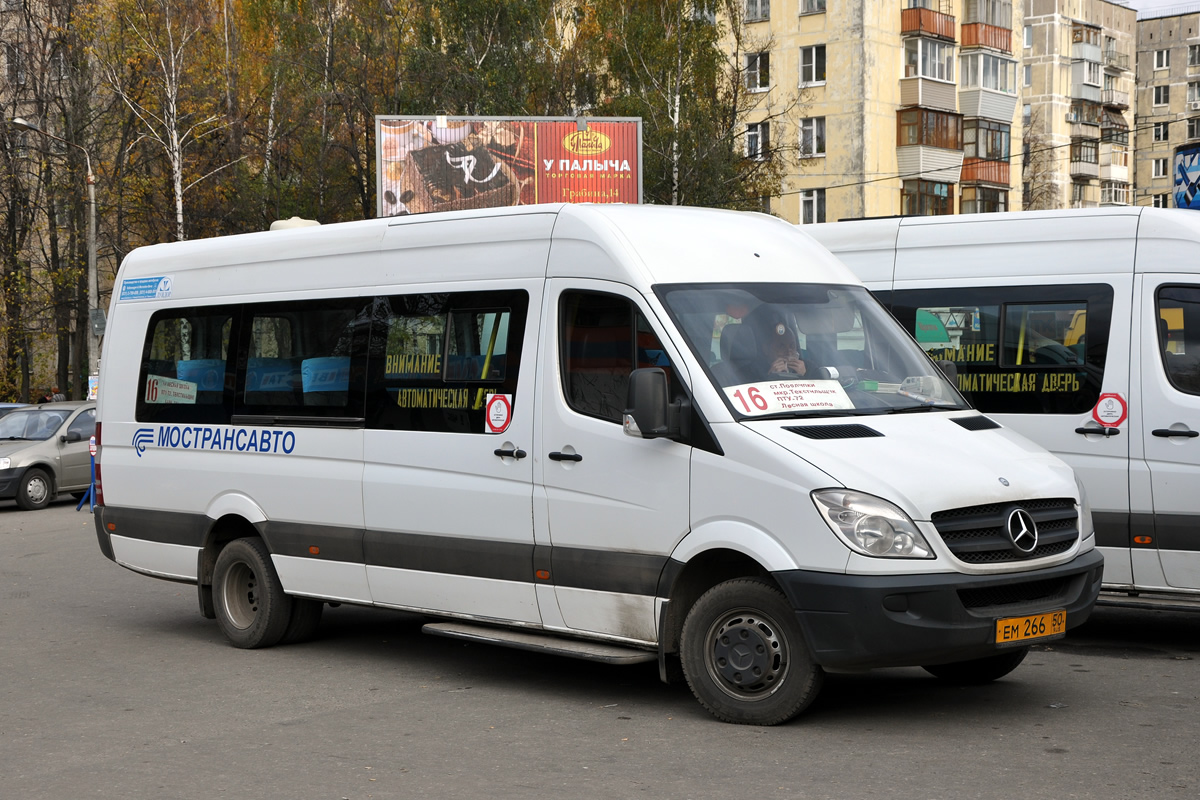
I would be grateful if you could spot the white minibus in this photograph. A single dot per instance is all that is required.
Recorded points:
(624, 433)
(1081, 330)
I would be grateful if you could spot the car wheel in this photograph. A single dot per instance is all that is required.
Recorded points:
(306, 618)
(745, 657)
(36, 490)
(979, 670)
(248, 598)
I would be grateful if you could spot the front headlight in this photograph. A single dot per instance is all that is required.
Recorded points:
(5, 463)
(1086, 526)
(870, 525)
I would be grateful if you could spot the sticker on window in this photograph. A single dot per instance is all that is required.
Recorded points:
(771, 397)
(160, 389)
(499, 413)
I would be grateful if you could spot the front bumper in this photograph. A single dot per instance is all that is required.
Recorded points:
(866, 621)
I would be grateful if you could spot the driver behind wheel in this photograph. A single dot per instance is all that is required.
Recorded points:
(782, 352)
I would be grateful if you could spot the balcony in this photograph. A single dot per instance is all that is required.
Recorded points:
(979, 170)
(929, 93)
(980, 34)
(1115, 99)
(1115, 60)
(1114, 172)
(1114, 195)
(1086, 92)
(1085, 51)
(1085, 170)
(926, 22)
(931, 163)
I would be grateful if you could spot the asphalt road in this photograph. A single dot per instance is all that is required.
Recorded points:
(113, 686)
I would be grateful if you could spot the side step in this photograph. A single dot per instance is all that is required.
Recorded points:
(1149, 600)
(542, 642)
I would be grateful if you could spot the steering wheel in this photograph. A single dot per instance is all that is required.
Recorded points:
(785, 376)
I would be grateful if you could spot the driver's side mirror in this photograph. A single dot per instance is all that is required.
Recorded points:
(71, 436)
(649, 414)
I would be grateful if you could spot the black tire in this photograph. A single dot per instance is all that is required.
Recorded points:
(248, 598)
(745, 657)
(36, 489)
(306, 618)
(980, 670)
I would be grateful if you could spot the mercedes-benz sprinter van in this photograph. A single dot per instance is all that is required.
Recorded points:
(624, 433)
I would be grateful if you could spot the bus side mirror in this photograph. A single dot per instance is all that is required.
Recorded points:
(649, 414)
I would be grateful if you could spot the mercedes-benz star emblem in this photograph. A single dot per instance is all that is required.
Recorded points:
(1004, 481)
(1022, 530)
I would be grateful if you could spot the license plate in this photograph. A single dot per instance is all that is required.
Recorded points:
(1039, 626)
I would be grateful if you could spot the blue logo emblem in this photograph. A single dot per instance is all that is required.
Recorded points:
(141, 438)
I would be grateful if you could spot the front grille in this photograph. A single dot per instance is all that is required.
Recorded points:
(1015, 594)
(977, 534)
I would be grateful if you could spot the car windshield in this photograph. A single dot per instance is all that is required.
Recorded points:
(36, 424)
(788, 350)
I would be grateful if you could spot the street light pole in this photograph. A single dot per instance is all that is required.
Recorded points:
(93, 340)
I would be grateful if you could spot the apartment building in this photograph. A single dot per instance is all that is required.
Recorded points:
(1077, 102)
(1167, 135)
(920, 106)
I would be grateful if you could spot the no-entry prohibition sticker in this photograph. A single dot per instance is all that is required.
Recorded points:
(498, 412)
(1110, 410)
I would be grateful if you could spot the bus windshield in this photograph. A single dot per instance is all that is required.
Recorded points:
(805, 350)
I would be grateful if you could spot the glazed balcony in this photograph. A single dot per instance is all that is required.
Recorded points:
(1115, 99)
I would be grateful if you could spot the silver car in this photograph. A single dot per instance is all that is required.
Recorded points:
(44, 450)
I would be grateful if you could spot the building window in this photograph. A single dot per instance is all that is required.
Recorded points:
(1162, 95)
(1114, 193)
(982, 199)
(1162, 59)
(1085, 34)
(1086, 151)
(1193, 92)
(1160, 131)
(812, 65)
(986, 139)
(812, 137)
(1193, 128)
(926, 58)
(758, 71)
(1028, 75)
(812, 206)
(924, 126)
(1026, 114)
(1029, 36)
(926, 198)
(1193, 55)
(812, 6)
(757, 140)
(1160, 200)
(1158, 168)
(997, 13)
(987, 71)
(757, 10)
(15, 65)
(1092, 74)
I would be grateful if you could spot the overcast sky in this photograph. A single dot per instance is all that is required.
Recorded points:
(1158, 6)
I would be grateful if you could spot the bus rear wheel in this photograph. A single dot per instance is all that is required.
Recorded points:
(252, 609)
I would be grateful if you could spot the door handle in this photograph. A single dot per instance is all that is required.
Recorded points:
(1098, 431)
(517, 454)
(566, 457)
(1167, 432)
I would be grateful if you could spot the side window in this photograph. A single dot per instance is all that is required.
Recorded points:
(304, 358)
(186, 373)
(1018, 349)
(435, 358)
(602, 338)
(1179, 335)
(84, 424)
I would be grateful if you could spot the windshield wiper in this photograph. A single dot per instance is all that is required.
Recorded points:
(915, 409)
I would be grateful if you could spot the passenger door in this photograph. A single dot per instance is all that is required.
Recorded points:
(1037, 358)
(1170, 392)
(448, 478)
(611, 507)
(76, 457)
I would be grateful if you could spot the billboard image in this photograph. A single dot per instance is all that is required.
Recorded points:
(1187, 177)
(445, 163)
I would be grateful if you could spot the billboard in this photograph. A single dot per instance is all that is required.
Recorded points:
(1187, 177)
(444, 163)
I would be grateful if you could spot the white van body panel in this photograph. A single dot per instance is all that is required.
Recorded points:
(172, 561)
(1137, 478)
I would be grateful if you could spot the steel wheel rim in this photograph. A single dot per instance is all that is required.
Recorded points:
(746, 654)
(241, 595)
(38, 490)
